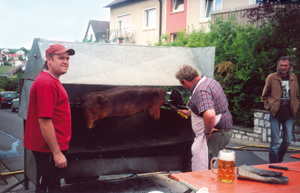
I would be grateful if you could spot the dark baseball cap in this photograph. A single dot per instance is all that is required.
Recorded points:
(59, 49)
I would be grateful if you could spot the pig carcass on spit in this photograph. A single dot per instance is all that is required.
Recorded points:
(121, 102)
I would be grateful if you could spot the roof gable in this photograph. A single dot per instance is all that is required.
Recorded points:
(115, 2)
(20, 52)
(99, 28)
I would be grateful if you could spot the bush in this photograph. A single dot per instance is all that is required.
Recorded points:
(245, 55)
(10, 83)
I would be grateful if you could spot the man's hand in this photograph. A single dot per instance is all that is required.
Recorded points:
(60, 160)
(209, 136)
(186, 112)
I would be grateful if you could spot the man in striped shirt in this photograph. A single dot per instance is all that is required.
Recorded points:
(208, 108)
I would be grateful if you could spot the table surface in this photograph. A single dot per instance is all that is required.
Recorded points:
(295, 156)
(208, 179)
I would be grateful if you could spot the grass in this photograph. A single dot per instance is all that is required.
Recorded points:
(4, 69)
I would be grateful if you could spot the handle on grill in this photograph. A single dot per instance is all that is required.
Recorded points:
(182, 114)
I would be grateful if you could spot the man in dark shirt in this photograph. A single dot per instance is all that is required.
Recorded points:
(281, 97)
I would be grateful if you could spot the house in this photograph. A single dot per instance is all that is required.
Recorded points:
(14, 70)
(1, 60)
(20, 52)
(16, 62)
(5, 51)
(199, 12)
(137, 21)
(145, 21)
(23, 54)
(12, 56)
(97, 31)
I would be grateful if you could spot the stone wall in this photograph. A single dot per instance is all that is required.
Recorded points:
(262, 131)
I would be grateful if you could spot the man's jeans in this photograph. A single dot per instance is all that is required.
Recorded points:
(276, 154)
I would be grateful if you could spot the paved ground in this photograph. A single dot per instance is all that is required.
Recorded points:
(247, 152)
(12, 159)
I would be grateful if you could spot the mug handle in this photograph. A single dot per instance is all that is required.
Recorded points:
(211, 163)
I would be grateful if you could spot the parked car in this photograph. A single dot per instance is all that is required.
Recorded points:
(6, 98)
(15, 105)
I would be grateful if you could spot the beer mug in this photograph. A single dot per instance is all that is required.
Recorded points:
(226, 166)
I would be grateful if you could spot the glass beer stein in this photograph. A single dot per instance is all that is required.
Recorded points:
(226, 166)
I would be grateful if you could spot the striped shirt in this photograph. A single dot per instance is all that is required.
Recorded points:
(210, 95)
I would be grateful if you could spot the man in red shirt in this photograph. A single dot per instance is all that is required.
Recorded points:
(48, 124)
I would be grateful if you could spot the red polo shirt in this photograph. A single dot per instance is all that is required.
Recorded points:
(48, 98)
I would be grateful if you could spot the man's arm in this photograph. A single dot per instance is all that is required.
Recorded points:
(297, 90)
(49, 135)
(209, 117)
(265, 94)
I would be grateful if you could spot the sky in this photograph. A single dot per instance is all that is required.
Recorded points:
(64, 20)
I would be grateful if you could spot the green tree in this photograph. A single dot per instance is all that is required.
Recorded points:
(21, 58)
(283, 18)
(4, 58)
(24, 49)
(11, 83)
(245, 55)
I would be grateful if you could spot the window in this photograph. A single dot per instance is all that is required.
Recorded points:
(173, 37)
(124, 23)
(120, 27)
(178, 5)
(207, 7)
(150, 18)
(252, 2)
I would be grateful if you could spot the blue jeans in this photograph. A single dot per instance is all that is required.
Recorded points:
(276, 151)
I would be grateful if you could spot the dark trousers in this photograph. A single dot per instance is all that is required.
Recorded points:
(47, 175)
(217, 142)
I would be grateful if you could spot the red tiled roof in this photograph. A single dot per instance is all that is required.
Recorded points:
(12, 55)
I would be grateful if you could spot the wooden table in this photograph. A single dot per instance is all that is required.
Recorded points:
(197, 180)
(295, 155)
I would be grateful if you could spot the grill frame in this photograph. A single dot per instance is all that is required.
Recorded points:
(124, 145)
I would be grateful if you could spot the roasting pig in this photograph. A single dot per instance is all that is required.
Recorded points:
(121, 102)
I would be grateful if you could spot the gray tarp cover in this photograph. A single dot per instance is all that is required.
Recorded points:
(111, 64)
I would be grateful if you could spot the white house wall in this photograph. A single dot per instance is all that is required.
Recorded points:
(232, 4)
(193, 16)
(136, 9)
(194, 11)
(89, 33)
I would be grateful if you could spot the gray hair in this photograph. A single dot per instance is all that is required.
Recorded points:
(186, 72)
(285, 58)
